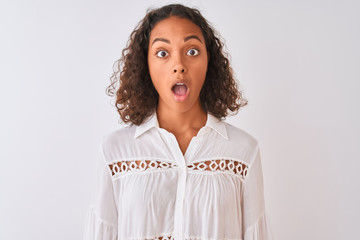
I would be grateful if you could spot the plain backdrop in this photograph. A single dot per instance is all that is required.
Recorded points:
(296, 61)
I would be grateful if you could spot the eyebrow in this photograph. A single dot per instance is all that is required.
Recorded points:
(168, 41)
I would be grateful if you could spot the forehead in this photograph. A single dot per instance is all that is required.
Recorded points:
(173, 27)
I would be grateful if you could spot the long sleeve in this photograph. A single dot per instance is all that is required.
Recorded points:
(101, 220)
(256, 225)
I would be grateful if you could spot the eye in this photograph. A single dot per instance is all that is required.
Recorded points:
(193, 52)
(161, 54)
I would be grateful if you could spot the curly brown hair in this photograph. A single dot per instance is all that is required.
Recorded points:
(137, 98)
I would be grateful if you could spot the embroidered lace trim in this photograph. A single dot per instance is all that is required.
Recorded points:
(231, 166)
(129, 166)
(169, 237)
(164, 238)
(235, 167)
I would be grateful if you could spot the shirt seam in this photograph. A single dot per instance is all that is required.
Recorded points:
(254, 154)
(108, 170)
(93, 208)
(252, 159)
(115, 177)
(256, 222)
(215, 172)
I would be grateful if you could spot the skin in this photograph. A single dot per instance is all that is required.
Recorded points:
(174, 55)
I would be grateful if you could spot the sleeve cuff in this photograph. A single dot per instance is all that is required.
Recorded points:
(97, 229)
(260, 230)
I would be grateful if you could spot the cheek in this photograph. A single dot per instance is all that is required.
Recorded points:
(156, 70)
(157, 73)
(200, 71)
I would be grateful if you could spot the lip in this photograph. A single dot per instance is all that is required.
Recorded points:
(179, 81)
(178, 98)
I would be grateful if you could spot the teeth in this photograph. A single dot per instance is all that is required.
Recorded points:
(180, 84)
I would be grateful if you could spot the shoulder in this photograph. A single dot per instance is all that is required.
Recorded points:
(241, 144)
(118, 136)
(117, 141)
(240, 136)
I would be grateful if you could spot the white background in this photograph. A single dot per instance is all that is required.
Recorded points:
(297, 62)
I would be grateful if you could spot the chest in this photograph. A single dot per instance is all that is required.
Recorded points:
(184, 142)
(175, 200)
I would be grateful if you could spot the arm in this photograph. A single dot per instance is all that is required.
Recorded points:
(256, 225)
(101, 222)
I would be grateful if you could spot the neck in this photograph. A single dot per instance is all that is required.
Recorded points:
(178, 122)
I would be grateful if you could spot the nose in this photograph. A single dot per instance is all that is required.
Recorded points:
(179, 66)
(179, 69)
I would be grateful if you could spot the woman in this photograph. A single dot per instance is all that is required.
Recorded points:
(177, 171)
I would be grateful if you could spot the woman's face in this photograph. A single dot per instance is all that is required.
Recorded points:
(177, 60)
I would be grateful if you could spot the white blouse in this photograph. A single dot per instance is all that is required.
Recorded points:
(147, 189)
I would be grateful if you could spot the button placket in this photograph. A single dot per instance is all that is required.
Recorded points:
(179, 205)
(182, 161)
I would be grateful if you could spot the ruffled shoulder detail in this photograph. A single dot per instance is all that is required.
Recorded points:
(98, 229)
(260, 230)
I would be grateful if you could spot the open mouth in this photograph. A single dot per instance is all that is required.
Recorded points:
(179, 89)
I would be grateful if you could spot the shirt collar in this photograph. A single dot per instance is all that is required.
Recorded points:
(147, 124)
(152, 121)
